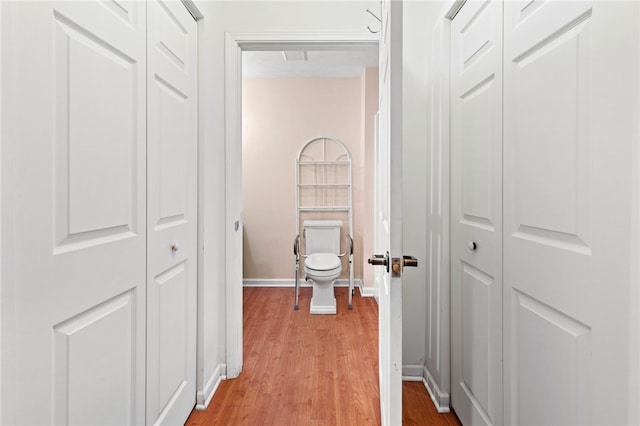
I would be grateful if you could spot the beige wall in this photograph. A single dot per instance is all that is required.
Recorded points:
(279, 116)
(370, 109)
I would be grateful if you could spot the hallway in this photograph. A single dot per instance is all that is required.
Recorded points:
(316, 370)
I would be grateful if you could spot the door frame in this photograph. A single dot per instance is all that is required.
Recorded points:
(634, 329)
(3, 375)
(235, 43)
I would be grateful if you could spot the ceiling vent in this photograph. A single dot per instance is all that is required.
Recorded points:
(294, 55)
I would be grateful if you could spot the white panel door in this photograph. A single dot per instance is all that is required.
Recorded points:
(74, 190)
(570, 84)
(388, 212)
(171, 212)
(476, 213)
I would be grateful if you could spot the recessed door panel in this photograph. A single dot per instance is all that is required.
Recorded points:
(477, 36)
(95, 364)
(168, 332)
(174, 113)
(173, 326)
(526, 8)
(481, 321)
(123, 10)
(174, 41)
(478, 151)
(552, 206)
(96, 128)
(554, 352)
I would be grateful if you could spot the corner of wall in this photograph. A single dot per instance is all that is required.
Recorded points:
(200, 337)
(412, 372)
(367, 291)
(211, 215)
(204, 396)
(441, 400)
(370, 109)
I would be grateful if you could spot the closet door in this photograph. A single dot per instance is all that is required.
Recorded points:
(570, 106)
(171, 213)
(73, 187)
(476, 213)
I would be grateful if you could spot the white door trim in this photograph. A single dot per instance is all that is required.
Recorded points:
(234, 44)
(1, 276)
(634, 329)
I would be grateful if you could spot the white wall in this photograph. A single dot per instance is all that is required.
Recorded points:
(414, 199)
(240, 17)
(370, 101)
(211, 266)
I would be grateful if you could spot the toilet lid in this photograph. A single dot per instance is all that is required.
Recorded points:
(322, 261)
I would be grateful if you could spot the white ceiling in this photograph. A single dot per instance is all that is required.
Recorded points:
(345, 63)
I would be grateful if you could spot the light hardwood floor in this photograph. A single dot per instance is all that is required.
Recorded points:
(302, 369)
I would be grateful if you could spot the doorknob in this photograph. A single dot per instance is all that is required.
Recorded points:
(472, 245)
(379, 260)
(409, 261)
(175, 246)
(398, 264)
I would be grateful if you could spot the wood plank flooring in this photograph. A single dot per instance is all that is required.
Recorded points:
(418, 409)
(302, 369)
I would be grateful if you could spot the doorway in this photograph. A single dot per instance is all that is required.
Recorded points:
(290, 97)
(236, 44)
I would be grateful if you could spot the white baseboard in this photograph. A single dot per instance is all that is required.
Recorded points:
(412, 372)
(272, 282)
(286, 282)
(203, 398)
(441, 400)
(367, 291)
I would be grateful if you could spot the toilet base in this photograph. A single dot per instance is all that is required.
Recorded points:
(323, 298)
(324, 308)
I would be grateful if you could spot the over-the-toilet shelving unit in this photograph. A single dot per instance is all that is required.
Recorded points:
(323, 185)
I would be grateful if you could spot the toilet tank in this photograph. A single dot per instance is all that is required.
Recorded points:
(322, 236)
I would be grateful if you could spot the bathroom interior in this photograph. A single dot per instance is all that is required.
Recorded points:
(289, 99)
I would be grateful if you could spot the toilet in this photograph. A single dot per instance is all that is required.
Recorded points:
(322, 265)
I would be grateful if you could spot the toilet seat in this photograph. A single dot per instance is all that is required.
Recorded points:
(322, 264)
